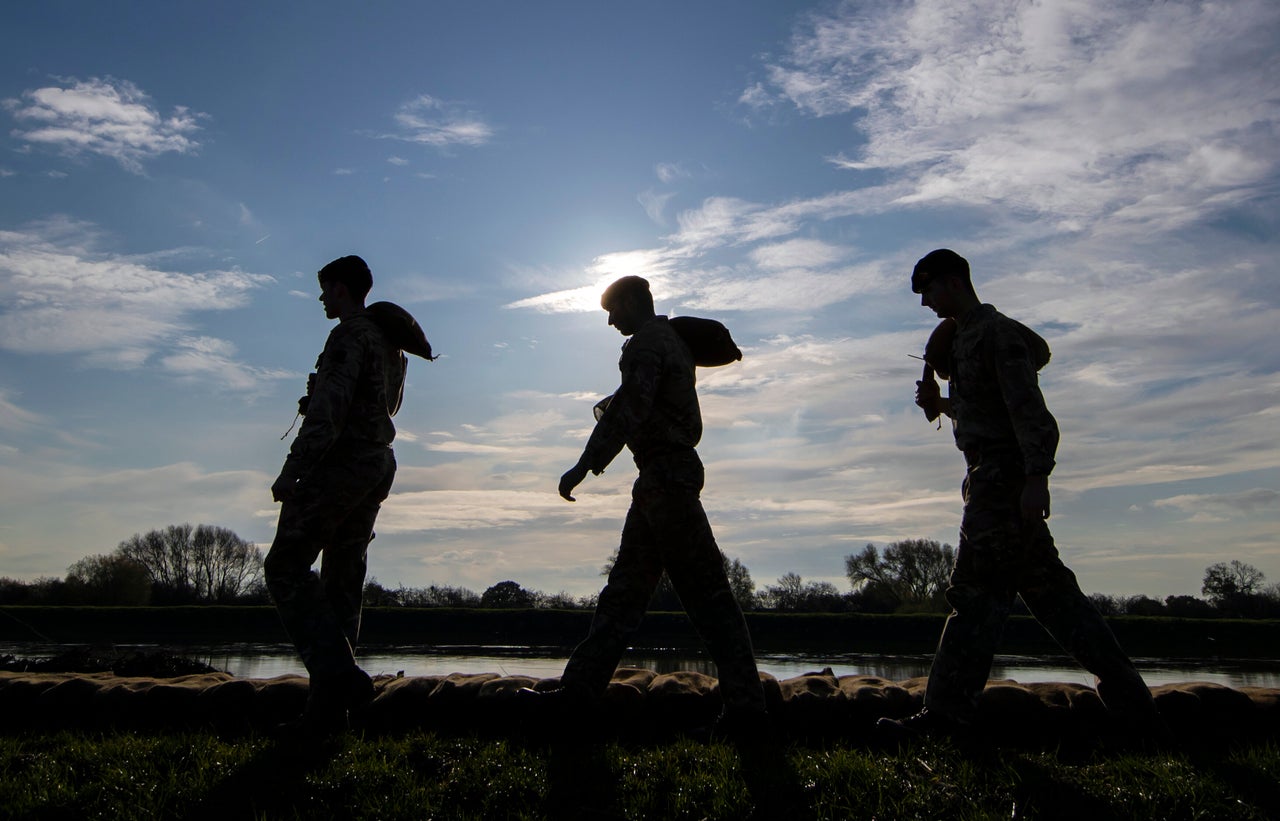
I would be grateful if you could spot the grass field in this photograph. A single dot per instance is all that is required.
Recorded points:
(426, 776)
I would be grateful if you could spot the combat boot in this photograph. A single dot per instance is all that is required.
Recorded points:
(329, 699)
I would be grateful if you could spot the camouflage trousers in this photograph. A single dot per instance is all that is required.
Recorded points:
(330, 515)
(667, 529)
(999, 558)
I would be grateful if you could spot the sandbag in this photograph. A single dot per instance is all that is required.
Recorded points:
(401, 329)
(709, 340)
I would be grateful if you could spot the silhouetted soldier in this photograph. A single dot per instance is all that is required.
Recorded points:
(655, 414)
(338, 472)
(1009, 439)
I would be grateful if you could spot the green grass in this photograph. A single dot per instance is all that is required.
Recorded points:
(426, 775)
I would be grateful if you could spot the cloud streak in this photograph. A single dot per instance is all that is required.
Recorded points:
(427, 120)
(104, 116)
(61, 296)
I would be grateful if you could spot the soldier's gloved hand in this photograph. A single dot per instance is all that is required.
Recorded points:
(929, 398)
(571, 479)
(1035, 498)
(283, 489)
(286, 484)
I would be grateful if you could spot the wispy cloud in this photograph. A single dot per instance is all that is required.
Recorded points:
(1158, 114)
(212, 359)
(105, 116)
(1253, 500)
(13, 417)
(62, 295)
(427, 120)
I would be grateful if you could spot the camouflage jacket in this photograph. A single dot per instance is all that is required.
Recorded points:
(996, 404)
(655, 409)
(358, 379)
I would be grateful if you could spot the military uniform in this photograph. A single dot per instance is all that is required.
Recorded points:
(344, 464)
(1006, 433)
(655, 414)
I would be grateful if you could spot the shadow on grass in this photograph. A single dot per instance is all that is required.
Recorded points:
(272, 783)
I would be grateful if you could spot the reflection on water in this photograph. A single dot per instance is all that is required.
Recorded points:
(268, 660)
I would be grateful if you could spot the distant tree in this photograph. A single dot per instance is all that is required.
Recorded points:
(439, 595)
(792, 593)
(786, 594)
(915, 570)
(1143, 606)
(108, 580)
(375, 595)
(48, 590)
(1188, 607)
(555, 601)
(14, 591)
(1225, 584)
(224, 566)
(202, 564)
(507, 594)
(740, 582)
(874, 597)
(1107, 605)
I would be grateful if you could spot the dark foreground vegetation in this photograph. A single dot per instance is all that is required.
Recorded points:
(428, 775)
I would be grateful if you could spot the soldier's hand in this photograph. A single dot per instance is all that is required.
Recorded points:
(283, 489)
(1035, 498)
(929, 398)
(571, 479)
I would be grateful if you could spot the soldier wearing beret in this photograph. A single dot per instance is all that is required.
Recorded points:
(655, 414)
(1009, 439)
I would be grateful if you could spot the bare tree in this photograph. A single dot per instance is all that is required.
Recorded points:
(202, 564)
(915, 570)
(1225, 584)
(795, 594)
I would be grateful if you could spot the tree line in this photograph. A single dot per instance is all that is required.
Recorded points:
(206, 564)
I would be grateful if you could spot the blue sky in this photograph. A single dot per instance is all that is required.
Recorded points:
(171, 177)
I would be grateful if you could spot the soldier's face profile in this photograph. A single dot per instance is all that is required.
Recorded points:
(624, 314)
(937, 296)
(330, 297)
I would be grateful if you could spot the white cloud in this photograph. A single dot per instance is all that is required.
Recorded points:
(1155, 113)
(1255, 500)
(60, 295)
(211, 359)
(669, 172)
(112, 118)
(428, 121)
(655, 204)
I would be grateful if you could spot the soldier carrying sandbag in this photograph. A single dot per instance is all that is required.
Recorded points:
(1009, 440)
(338, 472)
(655, 414)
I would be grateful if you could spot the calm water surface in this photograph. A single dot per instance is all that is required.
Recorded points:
(268, 660)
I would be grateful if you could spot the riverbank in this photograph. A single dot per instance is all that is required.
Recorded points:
(771, 632)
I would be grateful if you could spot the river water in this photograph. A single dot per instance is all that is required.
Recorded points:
(269, 660)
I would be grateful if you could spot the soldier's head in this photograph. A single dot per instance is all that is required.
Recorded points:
(344, 283)
(943, 281)
(629, 303)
